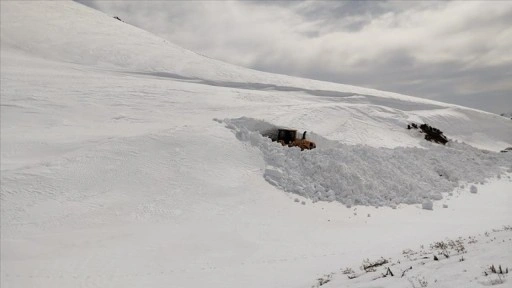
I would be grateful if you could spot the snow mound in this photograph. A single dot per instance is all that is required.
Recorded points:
(363, 175)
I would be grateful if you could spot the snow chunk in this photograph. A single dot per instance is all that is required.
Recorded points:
(473, 189)
(428, 205)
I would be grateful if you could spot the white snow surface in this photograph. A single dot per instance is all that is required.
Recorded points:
(461, 262)
(115, 174)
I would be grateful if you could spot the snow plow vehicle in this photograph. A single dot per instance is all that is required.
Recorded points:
(288, 137)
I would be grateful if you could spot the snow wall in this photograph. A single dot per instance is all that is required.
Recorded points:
(363, 175)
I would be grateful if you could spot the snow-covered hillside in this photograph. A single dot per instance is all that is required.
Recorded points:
(75, 34)
(127, 161)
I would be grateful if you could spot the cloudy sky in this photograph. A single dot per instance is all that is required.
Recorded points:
(457, 52)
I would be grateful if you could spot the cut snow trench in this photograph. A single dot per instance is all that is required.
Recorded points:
(363, 175)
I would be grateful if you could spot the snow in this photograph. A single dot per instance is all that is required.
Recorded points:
(428, 205)
(364, 175)
(115, 174)
(468, 264)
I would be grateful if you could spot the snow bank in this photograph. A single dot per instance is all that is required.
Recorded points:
(363, 175)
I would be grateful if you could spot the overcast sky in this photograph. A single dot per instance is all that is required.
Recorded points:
(457, 52)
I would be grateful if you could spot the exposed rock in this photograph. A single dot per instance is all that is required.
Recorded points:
(431, 134)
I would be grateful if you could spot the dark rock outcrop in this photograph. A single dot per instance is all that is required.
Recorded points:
(431, 134)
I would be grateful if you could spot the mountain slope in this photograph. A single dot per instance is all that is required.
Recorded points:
(114, 172)
(74, 33)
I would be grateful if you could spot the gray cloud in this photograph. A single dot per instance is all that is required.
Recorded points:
(457, 52)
